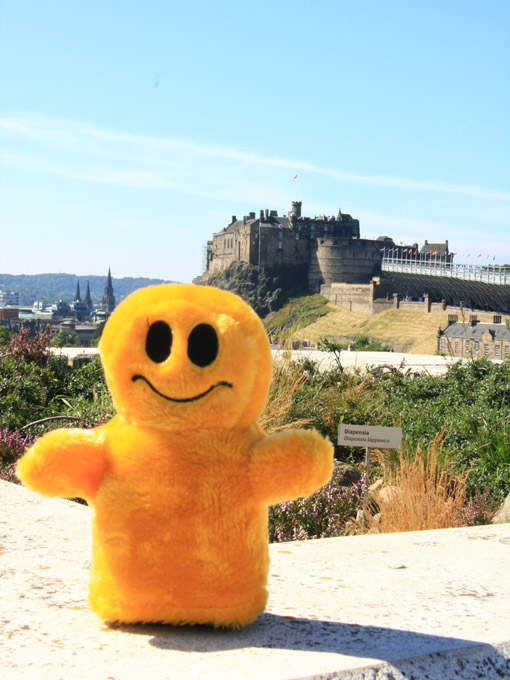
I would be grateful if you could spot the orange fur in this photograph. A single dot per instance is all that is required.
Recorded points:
(180, 480)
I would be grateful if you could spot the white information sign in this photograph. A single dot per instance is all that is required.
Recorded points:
(370, 436)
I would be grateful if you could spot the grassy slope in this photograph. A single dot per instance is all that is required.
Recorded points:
(299, 312)
(413, 332)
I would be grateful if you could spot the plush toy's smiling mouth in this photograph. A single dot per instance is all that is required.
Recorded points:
(222, 383)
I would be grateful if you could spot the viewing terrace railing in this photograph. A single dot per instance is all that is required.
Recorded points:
(488, 273)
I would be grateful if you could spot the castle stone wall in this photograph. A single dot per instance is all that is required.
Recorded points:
(283, 247)
(354, 297)
(365, 298)
(345, 260)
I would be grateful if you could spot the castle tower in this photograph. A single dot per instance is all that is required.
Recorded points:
(296, 208)
(108, 301)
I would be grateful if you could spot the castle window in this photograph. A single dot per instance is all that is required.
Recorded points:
(486, 349)
(443, 343)
(280, 235)
(297, 237)
(456, 348)
(280, 245)
(507, 350)
(467, 346)
(496, 350)
(477, 346)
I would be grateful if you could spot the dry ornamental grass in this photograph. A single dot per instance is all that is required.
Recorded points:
(420, 491)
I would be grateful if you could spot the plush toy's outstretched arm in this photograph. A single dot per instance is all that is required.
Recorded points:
(290, 464)
(68, 463)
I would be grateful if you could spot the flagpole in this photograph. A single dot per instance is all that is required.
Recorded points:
(296, 177)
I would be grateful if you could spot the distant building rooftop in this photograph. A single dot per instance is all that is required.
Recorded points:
(476, 330)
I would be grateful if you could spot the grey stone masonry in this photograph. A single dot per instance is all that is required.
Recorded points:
(432, 604)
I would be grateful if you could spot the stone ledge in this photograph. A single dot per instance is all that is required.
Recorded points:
(433, 364)
(432, 604)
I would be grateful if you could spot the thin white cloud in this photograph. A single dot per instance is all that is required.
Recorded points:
(96, 155)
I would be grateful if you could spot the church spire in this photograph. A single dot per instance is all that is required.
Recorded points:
(88, 299)
(108, 302)
(77, 296)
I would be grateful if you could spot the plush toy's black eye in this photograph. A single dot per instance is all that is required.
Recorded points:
(203, 345)
(159, 341)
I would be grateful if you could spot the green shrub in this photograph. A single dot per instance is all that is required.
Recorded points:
(361, 343)
(30, 392)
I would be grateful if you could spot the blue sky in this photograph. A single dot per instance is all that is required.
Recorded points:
(130, 132)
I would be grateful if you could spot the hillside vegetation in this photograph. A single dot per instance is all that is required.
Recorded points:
(312, 317)
(298, 313)
(48, 288)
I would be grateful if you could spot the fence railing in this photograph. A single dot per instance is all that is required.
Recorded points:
(489, 273)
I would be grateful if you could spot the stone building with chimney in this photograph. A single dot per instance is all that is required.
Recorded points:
(474, 338)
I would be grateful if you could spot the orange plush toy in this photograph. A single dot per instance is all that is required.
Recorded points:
(181, 479)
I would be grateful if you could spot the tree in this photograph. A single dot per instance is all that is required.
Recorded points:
(96, 335)
(4, 336)
(28, 347)
(66, 338)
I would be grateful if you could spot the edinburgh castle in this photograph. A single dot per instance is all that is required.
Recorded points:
(266, 257)
(318, 250)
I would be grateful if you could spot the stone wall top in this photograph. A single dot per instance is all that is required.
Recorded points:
(433, 604)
